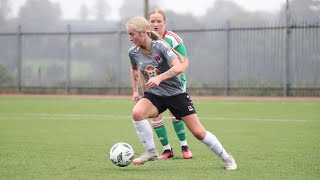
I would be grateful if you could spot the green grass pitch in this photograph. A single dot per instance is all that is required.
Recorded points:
(70, 138)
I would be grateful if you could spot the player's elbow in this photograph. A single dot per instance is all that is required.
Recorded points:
(185, 64)
(179, 69)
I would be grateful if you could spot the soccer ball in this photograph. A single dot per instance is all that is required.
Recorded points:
(121, 154)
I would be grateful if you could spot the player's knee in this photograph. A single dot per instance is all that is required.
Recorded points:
(199, 134)
(137, 115)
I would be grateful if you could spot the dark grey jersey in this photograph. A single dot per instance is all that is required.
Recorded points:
(158, 62)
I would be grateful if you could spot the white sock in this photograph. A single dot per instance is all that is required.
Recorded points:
(145, 134)
(214, 145)
(167, 147)
(184, 143)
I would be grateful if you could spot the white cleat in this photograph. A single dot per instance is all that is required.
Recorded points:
(148, 155)
(230, 163)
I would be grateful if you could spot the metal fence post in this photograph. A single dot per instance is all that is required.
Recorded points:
(146, 8)
(19, 58)
(227, 61)
(68, 63)
(286, 74)
(119, 64)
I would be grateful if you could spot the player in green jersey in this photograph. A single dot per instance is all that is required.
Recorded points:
(157, 19)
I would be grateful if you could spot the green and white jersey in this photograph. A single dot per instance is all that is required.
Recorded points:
(158, 62)
(177, 44)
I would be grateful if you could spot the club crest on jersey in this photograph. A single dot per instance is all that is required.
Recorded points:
(151, 71)
(157, 58)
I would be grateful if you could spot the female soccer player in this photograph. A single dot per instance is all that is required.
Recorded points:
(160, 66)
(157, 19)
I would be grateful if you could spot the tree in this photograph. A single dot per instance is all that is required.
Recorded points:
(84, 12)
(102, 9)
(221, 12)
(130, 9)
(4, 11)
(181, 21)
(39, 14)
(316, 6)
(303, 10)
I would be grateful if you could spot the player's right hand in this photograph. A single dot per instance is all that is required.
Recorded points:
(135, 97)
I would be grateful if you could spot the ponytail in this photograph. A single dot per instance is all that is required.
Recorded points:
(154, 36)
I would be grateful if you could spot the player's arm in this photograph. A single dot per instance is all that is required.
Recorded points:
(181, 49)
(185, 63)
(176, 69)
(134, 81)
(142, 82)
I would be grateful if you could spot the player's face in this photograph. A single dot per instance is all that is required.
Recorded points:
(135, 37)
(157, 23)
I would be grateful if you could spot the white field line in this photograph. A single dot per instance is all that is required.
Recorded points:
(52, 116)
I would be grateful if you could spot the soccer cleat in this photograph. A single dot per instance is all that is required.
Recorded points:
(230, 163)
(148, 155)
(166, 154)
(186, 153)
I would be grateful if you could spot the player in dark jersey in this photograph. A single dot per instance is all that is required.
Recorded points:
(161, 66)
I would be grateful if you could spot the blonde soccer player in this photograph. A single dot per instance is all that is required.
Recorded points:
(161, 66)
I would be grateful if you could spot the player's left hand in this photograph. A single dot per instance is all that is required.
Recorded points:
(153, 82)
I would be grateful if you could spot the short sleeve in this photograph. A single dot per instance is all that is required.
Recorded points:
(167, 51)
(130, 54)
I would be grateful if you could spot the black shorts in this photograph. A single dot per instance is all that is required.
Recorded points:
(180, 105)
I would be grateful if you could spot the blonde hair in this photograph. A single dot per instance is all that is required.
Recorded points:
(159, 11)
(140, 24)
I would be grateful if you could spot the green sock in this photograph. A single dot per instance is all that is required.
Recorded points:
(180, 130)
(162, 135)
